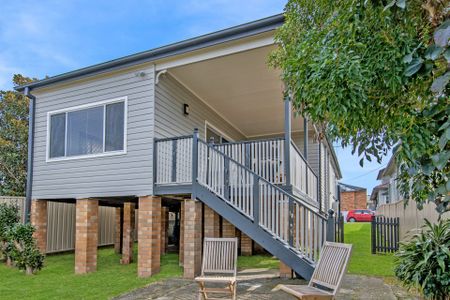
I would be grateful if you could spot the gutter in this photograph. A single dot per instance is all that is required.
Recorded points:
(31, 115)
(189, 45)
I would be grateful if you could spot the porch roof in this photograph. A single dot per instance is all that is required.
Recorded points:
(242, 89)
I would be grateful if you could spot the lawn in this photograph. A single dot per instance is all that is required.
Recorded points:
(258, 261)
(362, 260)
(58, 281)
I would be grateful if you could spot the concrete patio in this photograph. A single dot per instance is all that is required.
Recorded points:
(258, 283)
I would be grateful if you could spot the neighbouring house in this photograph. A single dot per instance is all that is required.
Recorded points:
(198, 128)
(352, 197)
(391, 203)
(387, 191)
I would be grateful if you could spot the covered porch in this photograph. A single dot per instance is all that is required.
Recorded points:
(255, 125)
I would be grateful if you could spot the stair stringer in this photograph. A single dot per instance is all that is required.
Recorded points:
(269, 242)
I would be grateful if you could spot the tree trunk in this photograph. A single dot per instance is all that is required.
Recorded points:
(8, 261)
(29, 270)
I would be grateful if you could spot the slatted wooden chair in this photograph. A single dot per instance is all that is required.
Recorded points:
(327, 276)
(219, 266)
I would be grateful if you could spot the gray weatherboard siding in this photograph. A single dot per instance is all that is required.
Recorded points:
(129, 174)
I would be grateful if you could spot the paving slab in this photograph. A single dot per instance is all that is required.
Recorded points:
(258, 284)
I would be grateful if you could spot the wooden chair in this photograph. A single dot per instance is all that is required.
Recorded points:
(327, 276)
(219, 266)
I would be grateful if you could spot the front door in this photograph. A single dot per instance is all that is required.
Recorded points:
(213, 135)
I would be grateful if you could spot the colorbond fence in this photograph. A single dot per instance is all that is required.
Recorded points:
(410, 218)
(61, 224)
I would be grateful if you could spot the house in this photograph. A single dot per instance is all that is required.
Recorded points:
(201, 128)
(352, 197)
(387, 191)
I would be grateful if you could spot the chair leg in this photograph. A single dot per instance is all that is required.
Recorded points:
(234, 291)
(201, 294)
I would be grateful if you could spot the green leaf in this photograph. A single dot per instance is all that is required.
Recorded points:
(408, 58)
(442, 141)
(389, 5)
(401, 3)
(440, 159)
(413, 67)
(447, 133)
(447, 54)
(440, 83)
(433, 52)
(442, 34)
(427, 169)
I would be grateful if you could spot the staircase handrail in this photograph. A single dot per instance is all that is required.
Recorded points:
(303, 202)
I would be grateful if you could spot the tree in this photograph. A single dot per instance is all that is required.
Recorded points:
(374, 75)
(13, 140)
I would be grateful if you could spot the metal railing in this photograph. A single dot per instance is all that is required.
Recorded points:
(303, 178)
(173, 163)
(173, 160)
(289, 219)
(264, 157)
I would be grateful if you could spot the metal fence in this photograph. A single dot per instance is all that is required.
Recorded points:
(385, 234)
(61, 224)
(339, 229)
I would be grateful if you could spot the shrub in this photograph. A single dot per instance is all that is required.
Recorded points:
(9, 216)
(17, 244)
(424, 261)
(25, 254)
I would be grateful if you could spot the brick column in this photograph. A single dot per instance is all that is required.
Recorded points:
(228, 229)
(86, 236)
(212, 223)
(246, 245)
(117, 231)
(285, 271)
(39, 221)
(127, 235)
(149, 236)
(192, 238)
(164, 229)
(181, 249)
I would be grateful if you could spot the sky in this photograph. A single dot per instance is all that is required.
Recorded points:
(46, 38)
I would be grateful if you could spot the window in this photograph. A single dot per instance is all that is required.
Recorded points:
(93, 130)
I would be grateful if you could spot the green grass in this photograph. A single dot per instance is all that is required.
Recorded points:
(258, 261)
(362, 260)
(58, 281)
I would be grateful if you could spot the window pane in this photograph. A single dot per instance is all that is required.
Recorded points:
(57, 133)
(114, 126)
(85, 131)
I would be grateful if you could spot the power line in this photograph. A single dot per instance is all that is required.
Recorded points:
(367, 173)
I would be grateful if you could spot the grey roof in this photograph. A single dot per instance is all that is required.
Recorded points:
(377, 189)
(215, 38)
(350, 188)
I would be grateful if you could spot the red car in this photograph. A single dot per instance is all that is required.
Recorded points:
(360, 215)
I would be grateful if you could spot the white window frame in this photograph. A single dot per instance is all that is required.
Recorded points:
(82, 107)
(217, 131)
